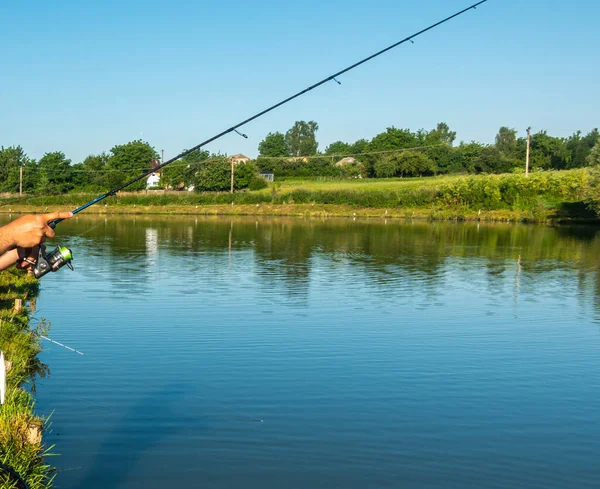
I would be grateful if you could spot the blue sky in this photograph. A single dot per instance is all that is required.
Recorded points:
(80, 77)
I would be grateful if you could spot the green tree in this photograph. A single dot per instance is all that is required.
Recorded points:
(91, 174)
(244, 174)
(182, 174)
(301, 138)
(413, 163)
(30, 176)
(580, 147)
(491, 160)
(547, 152)
(274, 145)
(360, 146)
(465, 155)
(441, 134)
(11, 159)
(339, 148)
(389, 140)
(506, 141)
(392, 139)
(55, 174)
(593, 158)
(128, 161)
(386, 167)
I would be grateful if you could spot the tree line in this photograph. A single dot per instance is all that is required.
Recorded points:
(402, 152)
(55, 174)
(391, 153)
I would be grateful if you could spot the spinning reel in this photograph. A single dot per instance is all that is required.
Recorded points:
(51, 262)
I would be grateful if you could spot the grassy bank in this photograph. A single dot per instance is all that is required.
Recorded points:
(544, 196)
(21, 446)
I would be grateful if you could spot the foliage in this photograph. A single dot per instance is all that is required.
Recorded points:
(215, 176)
(515, 192)
(128, 161)
(491, 160)
(274, 145)
(257, 183)
(385, 155)
(506, 141)
(54, 174)
(11, 159)
(339, 148)
(592, 198)
(406, 163)
(386, 167)
(20, 430)
(441, 135)
(593, 158)
(92, 173)
(244, 174)
(182, 174)
(299, 167)
(353, 170)
(301, 139)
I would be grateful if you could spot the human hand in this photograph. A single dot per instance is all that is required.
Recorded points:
(32, 230)
(26, 256)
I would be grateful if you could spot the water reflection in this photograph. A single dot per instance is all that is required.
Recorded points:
(285, 250)
(384, 354)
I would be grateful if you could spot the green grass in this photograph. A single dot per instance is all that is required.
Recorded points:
(367, 184)
(540, 197)
(21, 446)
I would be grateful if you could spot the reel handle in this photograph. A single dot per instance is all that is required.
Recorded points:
(53, 261)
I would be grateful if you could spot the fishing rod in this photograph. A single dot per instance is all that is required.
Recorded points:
(62, 256)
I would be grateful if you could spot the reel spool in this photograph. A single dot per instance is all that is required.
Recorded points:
(53, 261)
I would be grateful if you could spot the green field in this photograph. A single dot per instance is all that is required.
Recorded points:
(290, 184)
(541, 197)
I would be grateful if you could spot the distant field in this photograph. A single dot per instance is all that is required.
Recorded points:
(291, 184)
(543, 196)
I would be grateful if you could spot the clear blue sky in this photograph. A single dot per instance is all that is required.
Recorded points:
(81, 76)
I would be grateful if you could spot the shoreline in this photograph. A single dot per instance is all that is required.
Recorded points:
(22, 448)
(538, 216)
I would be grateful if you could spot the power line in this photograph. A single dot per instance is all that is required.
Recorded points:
(209, 160)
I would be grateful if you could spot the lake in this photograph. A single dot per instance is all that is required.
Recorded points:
(286, 352)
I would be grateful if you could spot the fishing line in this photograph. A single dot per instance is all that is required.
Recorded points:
(246, 417)
(235, 128)
(61, 344)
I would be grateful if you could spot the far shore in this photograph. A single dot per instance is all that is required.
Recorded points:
(320, 211)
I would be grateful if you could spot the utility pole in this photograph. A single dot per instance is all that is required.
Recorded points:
(232, 165)
(20, 180)
(528, 146)
(162, 156)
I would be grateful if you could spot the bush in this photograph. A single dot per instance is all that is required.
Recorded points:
(353, 170)
(215, 176)
(592, 198)
(386, 168)
(257, 183)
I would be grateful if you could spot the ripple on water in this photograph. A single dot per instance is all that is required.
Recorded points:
(411, 355)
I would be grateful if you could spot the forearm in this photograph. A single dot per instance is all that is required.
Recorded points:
(8, 259)
(7, 241)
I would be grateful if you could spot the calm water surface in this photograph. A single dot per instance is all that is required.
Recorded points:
(244, 353)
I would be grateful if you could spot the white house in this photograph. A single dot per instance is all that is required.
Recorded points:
(153, 180)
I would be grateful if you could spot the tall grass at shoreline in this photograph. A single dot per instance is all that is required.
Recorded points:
(21, 445)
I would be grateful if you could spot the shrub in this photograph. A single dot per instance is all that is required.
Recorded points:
(257, 183)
